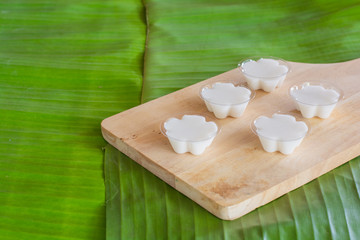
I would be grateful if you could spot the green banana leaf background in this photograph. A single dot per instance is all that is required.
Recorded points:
(66, 65)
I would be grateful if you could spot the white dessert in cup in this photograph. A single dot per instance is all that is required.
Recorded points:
(266, 73)
(191, 133)
(280, 132)
(225, 99)
(315, 99)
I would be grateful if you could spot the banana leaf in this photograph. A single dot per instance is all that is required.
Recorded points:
(189, 41)
(65, 66)
(141, 206)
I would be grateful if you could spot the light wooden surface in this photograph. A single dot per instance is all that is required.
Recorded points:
(235, 175)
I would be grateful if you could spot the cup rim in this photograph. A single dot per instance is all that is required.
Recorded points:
(236, 84)
(298, 118)
(208, 118)
(325, 85)
(256, 58)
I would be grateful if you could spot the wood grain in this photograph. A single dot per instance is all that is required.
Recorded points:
(235, 175)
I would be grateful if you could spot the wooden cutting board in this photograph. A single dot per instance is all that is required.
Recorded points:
(235, 175)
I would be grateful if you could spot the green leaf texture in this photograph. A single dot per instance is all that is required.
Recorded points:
(189, 41)
(141, 206)
(192, 40)
(65, 66)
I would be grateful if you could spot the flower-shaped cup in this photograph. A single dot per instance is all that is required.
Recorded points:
(190, 133)
(266, 73)
(226, 99)
(280, 132)
(315, 99)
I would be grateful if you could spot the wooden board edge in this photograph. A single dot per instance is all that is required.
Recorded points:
(138, 157)
(235, 211)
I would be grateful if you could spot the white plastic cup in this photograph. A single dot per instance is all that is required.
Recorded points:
(266, 73)
(190, 139)
(315, 98)
(282, 143)
(232, 99)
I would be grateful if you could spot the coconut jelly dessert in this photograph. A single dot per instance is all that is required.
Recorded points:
(191, 133)
(264, 73)
(226, 99)
(315, 99)
(281, 132)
